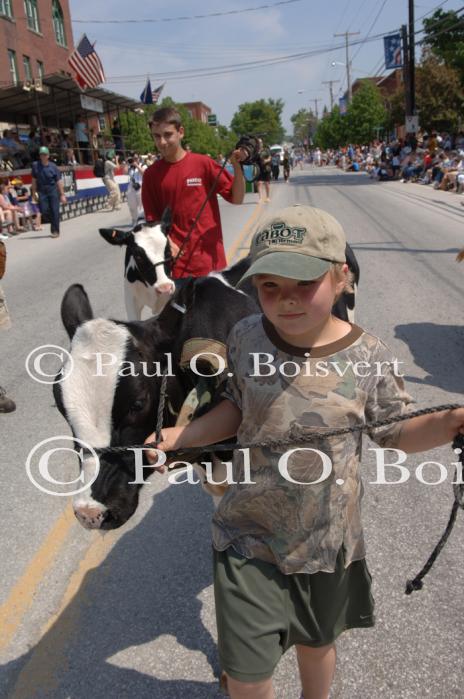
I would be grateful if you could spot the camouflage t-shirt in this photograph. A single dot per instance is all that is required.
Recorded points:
(301, 527)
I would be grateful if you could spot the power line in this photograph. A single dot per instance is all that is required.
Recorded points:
(370, 28)
(184, 18)
(234, 67)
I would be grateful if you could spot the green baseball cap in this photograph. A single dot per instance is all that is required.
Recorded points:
(44, 150)
(298, 242)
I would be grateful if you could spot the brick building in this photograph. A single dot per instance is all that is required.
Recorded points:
(35, 39)
(198, 110)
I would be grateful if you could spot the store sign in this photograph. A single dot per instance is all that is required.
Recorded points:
(91, 104)
(412, 124)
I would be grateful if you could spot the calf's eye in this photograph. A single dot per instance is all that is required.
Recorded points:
(137, 406)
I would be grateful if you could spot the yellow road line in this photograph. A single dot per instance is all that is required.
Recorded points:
(22, 594)
(49, 658)
(232, 252)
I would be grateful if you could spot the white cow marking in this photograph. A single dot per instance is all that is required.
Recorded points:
(88, 393)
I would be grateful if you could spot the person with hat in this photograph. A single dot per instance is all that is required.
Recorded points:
(289, 552)
(47, 183)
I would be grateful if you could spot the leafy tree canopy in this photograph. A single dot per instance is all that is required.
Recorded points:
(304, 125)
(444, 37)
(262, 117)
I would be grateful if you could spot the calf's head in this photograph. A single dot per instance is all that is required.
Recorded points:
(148, 253)
(110, 398)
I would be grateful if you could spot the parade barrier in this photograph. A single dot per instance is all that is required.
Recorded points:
(84, 192)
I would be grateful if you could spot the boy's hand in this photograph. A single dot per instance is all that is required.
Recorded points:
(454, 422)
(170, 440)
(237, 156)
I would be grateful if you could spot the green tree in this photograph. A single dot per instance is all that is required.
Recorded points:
(444, 37)
(439, 95)
(136, 133)
(304, 125)
(332, 130)
(261, 117)
(365, 114)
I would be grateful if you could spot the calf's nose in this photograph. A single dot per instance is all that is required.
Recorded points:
(90, 517)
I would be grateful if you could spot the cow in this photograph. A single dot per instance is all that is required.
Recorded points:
(120, 408)
(146, 265)
(104, 407)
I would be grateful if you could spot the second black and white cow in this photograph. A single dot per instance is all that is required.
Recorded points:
(146, 265)
(106, 405)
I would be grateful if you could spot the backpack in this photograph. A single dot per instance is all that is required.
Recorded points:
(99, 168)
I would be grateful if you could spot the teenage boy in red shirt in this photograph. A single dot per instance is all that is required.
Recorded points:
(182, 181)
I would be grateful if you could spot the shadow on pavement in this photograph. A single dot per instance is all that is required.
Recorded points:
(439, 351)
(147, 587)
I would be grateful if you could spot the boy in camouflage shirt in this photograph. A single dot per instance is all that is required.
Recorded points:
(289, 554)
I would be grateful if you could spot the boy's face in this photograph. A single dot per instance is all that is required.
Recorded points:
(168, 139)
(297, 307)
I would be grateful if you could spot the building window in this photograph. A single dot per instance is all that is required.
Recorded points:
(101, 122)
(58, 23)
(13, 66)
(27, 68)
(32, 15)
(40, 69)
(5, 8)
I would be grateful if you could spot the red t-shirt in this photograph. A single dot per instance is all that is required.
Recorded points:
(183, 186)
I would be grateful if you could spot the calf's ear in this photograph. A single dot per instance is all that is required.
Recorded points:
(166, 220)
(115, 236)
(75, 309)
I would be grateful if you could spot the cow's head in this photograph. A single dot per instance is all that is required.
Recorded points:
(148, 251)
(109, 399)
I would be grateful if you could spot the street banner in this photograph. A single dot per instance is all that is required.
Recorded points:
(393, 51)
(342, 105)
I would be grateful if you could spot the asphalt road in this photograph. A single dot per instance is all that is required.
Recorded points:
(130, 614)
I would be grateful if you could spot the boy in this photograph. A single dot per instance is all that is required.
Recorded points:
(289, 555)
(182, 181)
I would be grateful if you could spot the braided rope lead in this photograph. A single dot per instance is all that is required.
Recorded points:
(304, 438)
(416, 583)
(162, 401)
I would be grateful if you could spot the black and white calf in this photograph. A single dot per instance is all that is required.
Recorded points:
(146, 265)
(106, 405)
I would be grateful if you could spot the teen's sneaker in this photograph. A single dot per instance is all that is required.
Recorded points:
(4, 236)
(6, 404)
(54, 234)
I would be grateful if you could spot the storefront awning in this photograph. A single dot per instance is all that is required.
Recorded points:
(58, 102)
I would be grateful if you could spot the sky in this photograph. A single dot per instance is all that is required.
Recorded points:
(131, 51)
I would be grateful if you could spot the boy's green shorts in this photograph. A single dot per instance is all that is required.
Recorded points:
(261, 612)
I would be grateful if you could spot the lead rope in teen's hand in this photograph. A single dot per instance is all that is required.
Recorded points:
(458, 488)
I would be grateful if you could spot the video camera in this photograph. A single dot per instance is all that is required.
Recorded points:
(250, 144)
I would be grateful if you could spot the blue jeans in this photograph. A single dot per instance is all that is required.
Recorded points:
(49, 204)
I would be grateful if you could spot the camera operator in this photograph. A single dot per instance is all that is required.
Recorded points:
(135, 169)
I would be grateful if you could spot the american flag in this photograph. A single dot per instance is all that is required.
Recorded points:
(86, 65)
(150, 96)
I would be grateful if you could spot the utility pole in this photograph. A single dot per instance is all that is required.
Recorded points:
(316, 100)
(330, 83)
(407, 91)
(412, 60)
(348, 62)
